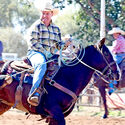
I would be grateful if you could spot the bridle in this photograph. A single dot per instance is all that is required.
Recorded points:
(101, 74)
(110, 73)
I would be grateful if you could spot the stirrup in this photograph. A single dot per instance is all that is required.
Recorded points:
(33, 100)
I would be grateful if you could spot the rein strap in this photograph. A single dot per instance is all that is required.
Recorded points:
(65, 90)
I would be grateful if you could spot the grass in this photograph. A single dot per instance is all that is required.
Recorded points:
(95, 111)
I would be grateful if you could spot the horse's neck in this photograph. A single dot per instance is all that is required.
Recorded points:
(79, 74)
(84, 83)
(81, 78)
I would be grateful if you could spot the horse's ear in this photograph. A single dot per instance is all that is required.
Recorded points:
(101, 43)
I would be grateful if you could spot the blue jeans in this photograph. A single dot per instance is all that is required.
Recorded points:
(1, 58)
(38, 62)
(119, 57)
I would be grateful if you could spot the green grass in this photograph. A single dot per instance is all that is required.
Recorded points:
(117, 113)
(94, 111)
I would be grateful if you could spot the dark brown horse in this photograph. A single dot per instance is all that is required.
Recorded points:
(56, 104)
(102, 86)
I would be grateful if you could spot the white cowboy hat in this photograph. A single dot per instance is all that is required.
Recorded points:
(116, 30)
(48, 7)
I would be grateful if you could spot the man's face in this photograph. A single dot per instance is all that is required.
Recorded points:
(46, 16)
(115, 35)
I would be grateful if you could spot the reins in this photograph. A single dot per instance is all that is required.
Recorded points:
(96, 71)
(108, 64)
(99, 73)
(71, 63)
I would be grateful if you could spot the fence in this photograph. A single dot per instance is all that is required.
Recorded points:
(9, 56)
(92, 98)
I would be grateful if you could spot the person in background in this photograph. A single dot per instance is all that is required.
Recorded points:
(1, 50)
(68, 40)
(118, 50)
(69, 47)
(44, 38)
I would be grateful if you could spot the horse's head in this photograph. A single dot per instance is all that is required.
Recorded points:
(101, 61)
(111, 69)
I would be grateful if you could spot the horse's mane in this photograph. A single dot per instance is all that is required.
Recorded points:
(87, 48)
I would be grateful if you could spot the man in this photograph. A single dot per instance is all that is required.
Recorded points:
(44, 37)
(118, 50)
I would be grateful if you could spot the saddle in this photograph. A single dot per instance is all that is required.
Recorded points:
(19, 70)
(19, 67)
(51, 71)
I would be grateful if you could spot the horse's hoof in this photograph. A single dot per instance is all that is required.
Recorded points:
(110, 93)
(105, 116)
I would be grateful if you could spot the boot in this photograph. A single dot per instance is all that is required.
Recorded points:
(34, 99)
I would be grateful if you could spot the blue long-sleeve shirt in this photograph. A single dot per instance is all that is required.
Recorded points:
(1, 48)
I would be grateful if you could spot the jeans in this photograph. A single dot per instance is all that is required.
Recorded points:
(119, 57)
(1, 58)
(38, 62)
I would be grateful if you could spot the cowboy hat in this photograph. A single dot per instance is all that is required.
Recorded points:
(116, 30)
(48, 7)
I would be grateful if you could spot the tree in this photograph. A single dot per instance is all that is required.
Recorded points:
(13, 12)
(66, 22)
(83, 24)
(7, 9)
(89, 16)
(13, 42)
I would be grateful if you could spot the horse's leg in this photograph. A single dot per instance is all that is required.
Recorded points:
(53, 122)
(79, 102)
(57, 116)
(4, 108)
(103, 95)
(77, 105)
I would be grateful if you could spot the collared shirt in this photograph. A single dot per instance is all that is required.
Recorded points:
(44, 39)
(119, 45)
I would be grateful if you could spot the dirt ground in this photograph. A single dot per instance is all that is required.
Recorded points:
(16, 117)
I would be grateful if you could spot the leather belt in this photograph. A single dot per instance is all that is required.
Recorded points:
(120, 53)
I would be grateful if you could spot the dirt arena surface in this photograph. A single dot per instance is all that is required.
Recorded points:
(16, 117)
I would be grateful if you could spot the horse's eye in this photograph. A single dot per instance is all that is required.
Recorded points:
(105, 53)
